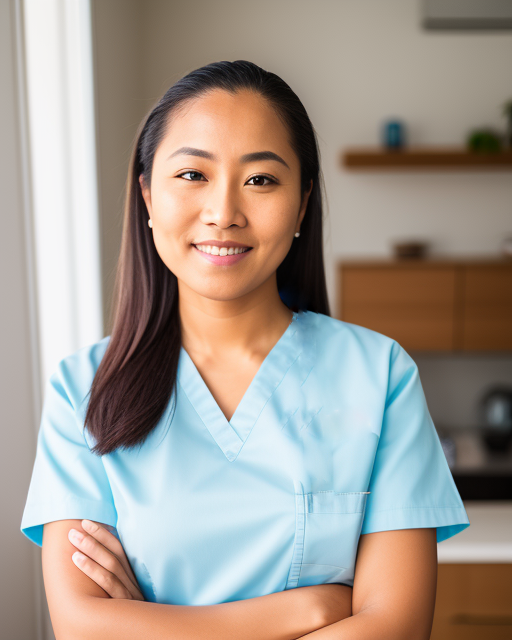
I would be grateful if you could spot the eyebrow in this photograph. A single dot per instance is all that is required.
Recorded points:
(248, 157)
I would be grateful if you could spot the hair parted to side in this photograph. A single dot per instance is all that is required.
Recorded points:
(136, 378)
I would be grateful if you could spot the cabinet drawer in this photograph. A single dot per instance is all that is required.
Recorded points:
(413, 305)
(474, 602)
(487, 307)
(479, 628)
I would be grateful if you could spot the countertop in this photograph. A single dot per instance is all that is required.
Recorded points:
(488, 539)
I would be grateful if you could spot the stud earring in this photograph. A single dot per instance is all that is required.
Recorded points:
(297, 234)
(150, 223)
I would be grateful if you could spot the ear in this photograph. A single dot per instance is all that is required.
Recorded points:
(304, 205)
(146, 193)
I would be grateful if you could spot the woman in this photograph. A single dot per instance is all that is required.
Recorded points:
(245, 447)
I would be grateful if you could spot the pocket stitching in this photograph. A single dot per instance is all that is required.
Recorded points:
(317, 564)
(338, 493)
(309, 501)
(308, 513)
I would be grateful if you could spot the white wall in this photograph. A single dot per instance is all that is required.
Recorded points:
(354, 63)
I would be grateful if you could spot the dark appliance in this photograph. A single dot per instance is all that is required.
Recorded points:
(496, 418)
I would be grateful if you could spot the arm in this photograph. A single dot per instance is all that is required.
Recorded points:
(80, 609)
(394, 588)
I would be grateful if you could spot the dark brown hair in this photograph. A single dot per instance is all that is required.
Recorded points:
(136, 378)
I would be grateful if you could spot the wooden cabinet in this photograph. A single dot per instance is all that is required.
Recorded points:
(413, 305)
(431, 305)
(473, 602)
(486, 307)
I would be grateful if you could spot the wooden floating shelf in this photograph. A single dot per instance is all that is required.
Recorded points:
(430, 261)
(418, 158)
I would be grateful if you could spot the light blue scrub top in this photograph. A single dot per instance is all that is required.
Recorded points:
(332, 439)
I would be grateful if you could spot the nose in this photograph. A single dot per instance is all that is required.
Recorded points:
(222, 206)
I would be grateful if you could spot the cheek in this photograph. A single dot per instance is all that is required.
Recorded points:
(173, 214)
(274, 221)
(169, 206)
(171, 228)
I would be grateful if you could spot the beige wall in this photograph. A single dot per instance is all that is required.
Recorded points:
(20, 560)
(353, 63)
(118, 46)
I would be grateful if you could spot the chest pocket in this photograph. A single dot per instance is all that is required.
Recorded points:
(328, 526)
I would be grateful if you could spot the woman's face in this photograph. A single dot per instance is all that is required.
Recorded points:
(225, 173)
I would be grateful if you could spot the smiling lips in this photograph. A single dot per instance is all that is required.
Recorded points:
(222, 253)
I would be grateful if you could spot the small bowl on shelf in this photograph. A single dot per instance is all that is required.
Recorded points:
(410, 249)
(506, 248)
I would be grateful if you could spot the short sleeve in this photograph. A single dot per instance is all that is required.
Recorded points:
(411, 485)
(68, 480)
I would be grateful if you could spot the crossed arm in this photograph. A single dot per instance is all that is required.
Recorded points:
(394, 588)
(393, 599)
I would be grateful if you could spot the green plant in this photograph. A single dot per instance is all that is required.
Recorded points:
(484, 140)
(507, 109)
(507, 112)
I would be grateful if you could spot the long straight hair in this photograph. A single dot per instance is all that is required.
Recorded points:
(136, 377)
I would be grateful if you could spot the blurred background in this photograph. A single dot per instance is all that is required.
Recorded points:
(412, 104)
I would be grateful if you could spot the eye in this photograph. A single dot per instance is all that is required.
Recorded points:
(261, 177)
(195, 176)
(190, 173)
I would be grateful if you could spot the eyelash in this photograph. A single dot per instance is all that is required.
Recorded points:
(271, 180)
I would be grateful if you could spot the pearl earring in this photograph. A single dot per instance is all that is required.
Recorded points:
(297, 234)
(150, 223)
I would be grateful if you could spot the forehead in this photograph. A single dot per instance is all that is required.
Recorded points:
(228, 124)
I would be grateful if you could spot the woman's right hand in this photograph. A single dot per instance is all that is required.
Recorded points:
(101, 557)
(330, 603)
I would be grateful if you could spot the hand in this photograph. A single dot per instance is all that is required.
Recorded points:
(103, 559)
(331, 602)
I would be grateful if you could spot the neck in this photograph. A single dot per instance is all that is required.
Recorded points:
(243, 326)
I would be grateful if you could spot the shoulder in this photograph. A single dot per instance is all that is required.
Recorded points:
(354, 354)
(75, 372)
(334, 335)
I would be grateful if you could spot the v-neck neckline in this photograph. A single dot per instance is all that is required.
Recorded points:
(231, 435)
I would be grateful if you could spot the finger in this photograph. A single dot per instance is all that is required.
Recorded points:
(94, 550)
(106, 580)
(110, 542)
(103, 557)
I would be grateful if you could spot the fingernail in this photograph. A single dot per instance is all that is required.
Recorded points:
(75, 535)
(88, 525)
(77, 556)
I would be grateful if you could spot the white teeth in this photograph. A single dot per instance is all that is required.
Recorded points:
(220, 251)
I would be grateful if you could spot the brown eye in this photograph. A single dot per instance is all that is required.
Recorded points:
(260, 179)
(191, 173)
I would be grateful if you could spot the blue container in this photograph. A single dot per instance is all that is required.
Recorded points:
(394, 134)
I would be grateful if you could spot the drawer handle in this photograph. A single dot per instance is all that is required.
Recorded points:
(484, 620)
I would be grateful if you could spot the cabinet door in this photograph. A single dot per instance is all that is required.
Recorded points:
(473, 602)
(414, 304)
(487, 307)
